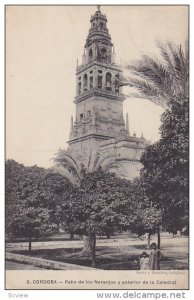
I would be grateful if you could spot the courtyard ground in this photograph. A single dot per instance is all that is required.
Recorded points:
(118, 253)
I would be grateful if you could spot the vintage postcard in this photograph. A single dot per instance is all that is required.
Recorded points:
(97, 147)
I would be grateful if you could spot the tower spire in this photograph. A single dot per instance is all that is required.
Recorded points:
(98, 7)
(98, 32)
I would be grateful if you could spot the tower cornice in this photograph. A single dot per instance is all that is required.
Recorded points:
(99, 92)
(90, 136)
(94, 63)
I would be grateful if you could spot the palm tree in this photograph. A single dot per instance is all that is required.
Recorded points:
(73, 170)
(165, 82)
(161, 81)
(67, 166)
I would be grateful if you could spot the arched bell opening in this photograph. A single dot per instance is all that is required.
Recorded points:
(91, 82)
(117, 83)
(85, 82)
(99, 81)
(79, 87)
(90, 55)
(108, 81)
(104, 54)
(101, 25)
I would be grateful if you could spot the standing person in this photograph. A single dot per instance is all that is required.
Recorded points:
(154, 257)
(144, 261)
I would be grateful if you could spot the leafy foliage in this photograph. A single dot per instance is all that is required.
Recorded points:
(27, 197)
(166, 162)
(104, 200)
(148, 218)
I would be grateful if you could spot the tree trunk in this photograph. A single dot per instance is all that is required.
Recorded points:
(89, 248)
(159, 239)
(108, 235)
(30, 242)
(71, 236)
(87, 245)
(93, 250)
(149, 238)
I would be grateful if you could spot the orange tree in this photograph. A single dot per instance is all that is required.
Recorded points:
(99, 206)
(27, 211)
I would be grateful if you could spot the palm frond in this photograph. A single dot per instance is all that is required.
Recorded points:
(66, 173)
(165, 80)
(63, 156)
(93, 161)
(177, 63)
(66, 162)
(150, 69)
(103, 162)
(167, 56)
(149, 91)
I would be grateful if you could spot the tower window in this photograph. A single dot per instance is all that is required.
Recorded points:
(79, 87)
(88, 113)
(99, 81)
(85, 82)
(117, 84)
(104, 54)
(81, 117)
(91, 82)
(93, 24)
(90, 55)
(101, 25)
(99, 71)
(117, 89)
(108, 81)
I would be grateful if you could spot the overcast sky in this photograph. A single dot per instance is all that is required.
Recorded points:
(43, 44)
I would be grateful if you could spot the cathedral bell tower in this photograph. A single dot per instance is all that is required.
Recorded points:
(99, 99)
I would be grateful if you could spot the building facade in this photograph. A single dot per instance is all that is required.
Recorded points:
(99, 135)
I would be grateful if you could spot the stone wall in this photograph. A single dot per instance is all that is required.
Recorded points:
(44, 263)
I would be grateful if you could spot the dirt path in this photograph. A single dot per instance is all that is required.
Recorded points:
(177, 242)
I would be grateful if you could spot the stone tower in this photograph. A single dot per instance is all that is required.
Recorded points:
(99, 134)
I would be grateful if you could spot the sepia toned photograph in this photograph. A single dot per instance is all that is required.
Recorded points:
(97, 147)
